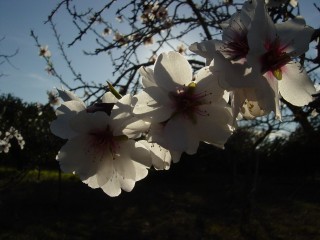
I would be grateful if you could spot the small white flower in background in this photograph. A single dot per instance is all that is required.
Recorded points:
(100, 147)
(44, 52)
(189, 109)
(7, 137)
(181, 49)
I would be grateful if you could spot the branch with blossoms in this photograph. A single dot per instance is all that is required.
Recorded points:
(248, 73)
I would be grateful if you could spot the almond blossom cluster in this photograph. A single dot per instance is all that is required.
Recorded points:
(5, 139)
(113, 143)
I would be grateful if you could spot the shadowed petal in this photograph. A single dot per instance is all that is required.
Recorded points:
(296, 86)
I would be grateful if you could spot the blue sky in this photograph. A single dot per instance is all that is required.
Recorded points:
(28, 79)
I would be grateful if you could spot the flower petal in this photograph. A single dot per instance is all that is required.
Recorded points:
(68, 96)
(78, 156)
(216, 127)
(208, 84)
(295, 35)
(85, 122)
(161, 157)
(147, 77)
(152, 103)
(180, 135)
(60, 127)
(171, 71)
(296, 86)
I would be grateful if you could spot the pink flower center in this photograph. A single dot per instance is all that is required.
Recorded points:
(187, 103)
(103, 140)
(274, 59)
(235, 41)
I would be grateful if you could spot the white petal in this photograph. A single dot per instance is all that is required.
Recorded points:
(136, 152)
(171, 71)
(127, 184)
(85, 122)
(112, 187)
(180, 135)
(161, 157)
(108, 97)
(60, 127)
(208, 83)
(296, 86)
(262, 29)
(68, 96)
(216, 127)
(207, 49)
(122, 108)
(92, 182)
(147, 77)
(295, 35)
(153, 103)
(78, 156)
(232, 75)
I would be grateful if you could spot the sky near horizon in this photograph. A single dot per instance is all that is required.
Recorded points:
(26, 77)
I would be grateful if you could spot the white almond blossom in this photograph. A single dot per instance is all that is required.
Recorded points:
(272, 49)
(261, 66)
(100, 147)
(189, 109)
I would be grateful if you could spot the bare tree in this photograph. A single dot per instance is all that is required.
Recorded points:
(5, 58)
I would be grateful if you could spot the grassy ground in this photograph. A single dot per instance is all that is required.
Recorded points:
(166, 205)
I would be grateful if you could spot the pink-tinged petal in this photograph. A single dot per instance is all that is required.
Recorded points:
(108, 97)
(60, 127)
(295, 36)
(171, 71)
(296, 87)
(147, 75)
(85, 122)
(216, 127)
(66, 95)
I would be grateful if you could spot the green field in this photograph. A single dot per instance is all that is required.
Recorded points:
(174, 204)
